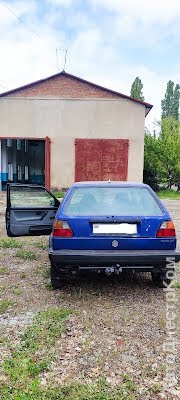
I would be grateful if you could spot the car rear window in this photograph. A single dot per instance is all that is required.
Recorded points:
(112, 201)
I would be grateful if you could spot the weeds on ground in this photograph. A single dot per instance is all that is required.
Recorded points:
(176, 285)
(156, 388)
(33, 356)
(28, 359)
(4, 271)
(59, 194)
(41, 245)
(7, 243)
(4, 304)
(17, 291)
(75, 391)
(43, 270)
(48, 286)
(129, 383)
(26, 254)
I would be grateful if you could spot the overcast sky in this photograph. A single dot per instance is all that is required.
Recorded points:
(109, 42)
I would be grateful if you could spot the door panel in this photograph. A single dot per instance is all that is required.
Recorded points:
(102, 159)
(88, 155)
(30, 210)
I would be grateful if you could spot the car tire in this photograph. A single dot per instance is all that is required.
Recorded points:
(58, 280)
(160, 280)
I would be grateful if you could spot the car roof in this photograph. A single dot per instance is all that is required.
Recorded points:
(109, 183)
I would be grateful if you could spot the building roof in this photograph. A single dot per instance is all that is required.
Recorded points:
(65, 74)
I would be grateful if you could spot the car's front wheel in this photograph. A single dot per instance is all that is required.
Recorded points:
(162, 279)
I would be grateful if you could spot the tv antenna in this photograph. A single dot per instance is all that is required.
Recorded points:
(65, 51)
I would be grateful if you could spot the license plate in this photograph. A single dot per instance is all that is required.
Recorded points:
(129, 229)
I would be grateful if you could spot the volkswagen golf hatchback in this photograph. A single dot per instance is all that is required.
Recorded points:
(100, 226)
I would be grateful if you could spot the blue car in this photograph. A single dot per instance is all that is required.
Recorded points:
(101, 226)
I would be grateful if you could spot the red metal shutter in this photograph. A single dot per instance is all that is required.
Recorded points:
(101, 159)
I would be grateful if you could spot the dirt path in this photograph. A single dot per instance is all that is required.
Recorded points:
(117, 326)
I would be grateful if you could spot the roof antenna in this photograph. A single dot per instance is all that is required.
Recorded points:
(57, 60)
(65, 59)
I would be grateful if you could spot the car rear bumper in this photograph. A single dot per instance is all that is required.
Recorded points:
(124, 258)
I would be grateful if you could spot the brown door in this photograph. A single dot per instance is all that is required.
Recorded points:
(101, 159)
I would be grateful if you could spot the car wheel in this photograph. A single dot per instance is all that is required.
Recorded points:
(58, 280)
(160, 279)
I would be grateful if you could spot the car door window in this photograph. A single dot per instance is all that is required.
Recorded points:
(31, 197)
(30, 210)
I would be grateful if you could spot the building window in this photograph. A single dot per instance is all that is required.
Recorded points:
(26, 146)
(10, 172)
(9, 142)
(26, 173)
(19, 173)
(18, 144)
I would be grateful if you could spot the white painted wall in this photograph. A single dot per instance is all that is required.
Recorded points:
(63, 120)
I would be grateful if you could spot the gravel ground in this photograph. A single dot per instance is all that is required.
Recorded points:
(117, 327)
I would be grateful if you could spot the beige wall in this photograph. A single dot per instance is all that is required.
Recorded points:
(63, 120)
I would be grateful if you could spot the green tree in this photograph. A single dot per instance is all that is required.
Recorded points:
(170, 103)
(151, 161)
(136, 89)
(176, 98)
(162, 155)
(169, 151)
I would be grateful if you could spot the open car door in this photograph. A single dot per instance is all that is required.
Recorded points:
(30, 210)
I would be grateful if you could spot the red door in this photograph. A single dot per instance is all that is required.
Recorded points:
(101, 159)
(47, 162)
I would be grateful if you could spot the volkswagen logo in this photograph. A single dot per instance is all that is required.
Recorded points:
(115, 243)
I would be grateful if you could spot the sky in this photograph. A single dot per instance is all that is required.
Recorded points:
(109, 42)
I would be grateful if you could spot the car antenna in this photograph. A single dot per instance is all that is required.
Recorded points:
(109, 181)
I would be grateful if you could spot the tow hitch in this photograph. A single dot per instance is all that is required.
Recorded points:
(117, 269)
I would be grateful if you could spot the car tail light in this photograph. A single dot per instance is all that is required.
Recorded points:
(61, 229)
(166, 229)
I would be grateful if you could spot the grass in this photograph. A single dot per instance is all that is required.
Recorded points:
(48, 286)
(9, 243)
(41, 245)
(76, 391)
(168, 194)
(59, 194)
(17, 291)
(4, 304)
(156, 388)
(28, 360)
(129, 383)
(48, 325)
(26, 254)
(151, 372)
(4, 271)
(33, 356)
(43, 270)
(176, 285)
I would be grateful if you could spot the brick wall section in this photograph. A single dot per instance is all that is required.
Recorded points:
(63, 86)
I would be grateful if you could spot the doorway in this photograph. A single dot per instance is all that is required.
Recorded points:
(23, 161)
